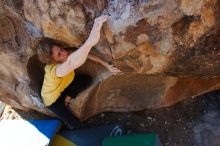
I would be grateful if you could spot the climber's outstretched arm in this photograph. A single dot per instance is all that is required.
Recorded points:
(78, 57)
(111, 68)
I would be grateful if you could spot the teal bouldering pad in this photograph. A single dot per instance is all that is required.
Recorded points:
(150, 139)
(92, 136)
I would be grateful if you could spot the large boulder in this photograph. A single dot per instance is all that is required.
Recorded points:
(168, 51)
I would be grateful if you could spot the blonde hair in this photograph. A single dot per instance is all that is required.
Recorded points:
(43, 47)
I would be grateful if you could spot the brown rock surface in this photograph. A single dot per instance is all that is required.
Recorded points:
(168, 51)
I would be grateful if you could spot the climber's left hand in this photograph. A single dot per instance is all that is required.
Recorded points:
(114, 70)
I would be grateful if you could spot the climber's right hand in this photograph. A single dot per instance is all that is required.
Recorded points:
(95, 32)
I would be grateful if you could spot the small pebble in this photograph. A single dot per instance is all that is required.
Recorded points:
(142, 124)
(149, 118)
(102, 115)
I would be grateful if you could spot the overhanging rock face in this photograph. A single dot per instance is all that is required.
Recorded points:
(168, 51)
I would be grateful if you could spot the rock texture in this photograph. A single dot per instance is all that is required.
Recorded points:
(168, 51)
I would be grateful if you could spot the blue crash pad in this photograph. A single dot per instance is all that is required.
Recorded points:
(47, 127)
(92, 136)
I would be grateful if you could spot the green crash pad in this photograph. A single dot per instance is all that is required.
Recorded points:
(150, 139)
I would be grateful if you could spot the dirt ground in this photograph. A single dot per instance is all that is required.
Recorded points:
(193, 122)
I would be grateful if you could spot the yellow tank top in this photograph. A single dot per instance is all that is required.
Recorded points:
(53, 86)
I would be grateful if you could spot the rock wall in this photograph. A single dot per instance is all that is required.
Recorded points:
(168, 51)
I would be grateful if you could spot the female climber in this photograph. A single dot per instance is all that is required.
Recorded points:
(60, 81)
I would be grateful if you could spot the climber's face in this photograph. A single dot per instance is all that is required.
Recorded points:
(58, 54)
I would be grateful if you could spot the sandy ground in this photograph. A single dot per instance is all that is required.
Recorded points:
(193, 122)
